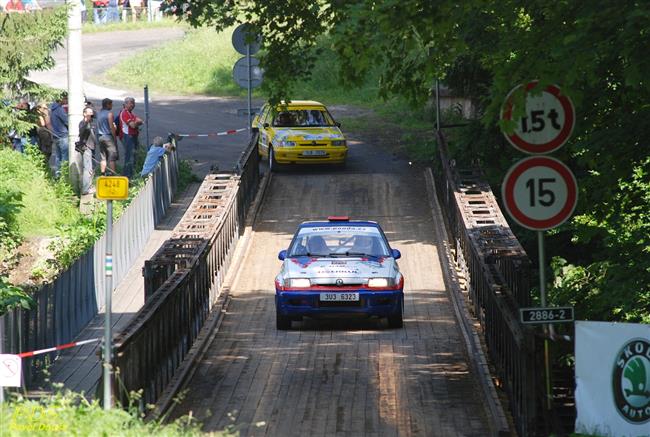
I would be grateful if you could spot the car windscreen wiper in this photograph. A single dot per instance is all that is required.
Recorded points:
(362, 254)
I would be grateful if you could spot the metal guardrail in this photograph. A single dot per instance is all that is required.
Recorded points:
(64, 307)
(183, 280)
(497, 271)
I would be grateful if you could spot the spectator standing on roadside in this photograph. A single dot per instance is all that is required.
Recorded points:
(130, 128)
(107, 137)
(156, 151)
(86, 146)
(59, 120)
(14, 6)
(44, 132)
(113, 11)
(100, 12)
(18, 141)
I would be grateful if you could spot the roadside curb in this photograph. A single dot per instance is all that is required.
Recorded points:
(494, 410)
(167, 401)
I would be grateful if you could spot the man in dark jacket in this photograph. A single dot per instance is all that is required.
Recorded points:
(59, 120)
(86, 146)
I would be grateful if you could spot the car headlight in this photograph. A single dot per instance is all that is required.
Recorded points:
(299, 283)
(378, 282)
(284, 143)
(338, 143)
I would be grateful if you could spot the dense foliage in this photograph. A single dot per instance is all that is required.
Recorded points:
(27, 42)
(596, 51)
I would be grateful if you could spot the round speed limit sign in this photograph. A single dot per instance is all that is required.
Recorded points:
(539, 192)
(547, 123)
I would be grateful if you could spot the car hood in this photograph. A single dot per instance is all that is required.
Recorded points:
(309, 134)
(350, 270)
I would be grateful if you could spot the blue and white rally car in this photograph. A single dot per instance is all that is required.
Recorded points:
(339, 267)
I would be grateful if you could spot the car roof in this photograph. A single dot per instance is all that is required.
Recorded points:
(296, 103)
(333, 223)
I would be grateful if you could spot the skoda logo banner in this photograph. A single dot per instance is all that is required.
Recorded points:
(612, 378)
(631, 381)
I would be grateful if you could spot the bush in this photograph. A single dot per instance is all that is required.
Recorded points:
(12, 297)
(71, 414)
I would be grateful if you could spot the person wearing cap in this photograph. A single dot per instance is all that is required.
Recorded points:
(154, 154)
(130, 128)
(86, 146)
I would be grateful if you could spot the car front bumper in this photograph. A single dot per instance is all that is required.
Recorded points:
(301, 155)
(307, 303)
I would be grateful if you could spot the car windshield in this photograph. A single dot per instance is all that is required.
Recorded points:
(303, 118)
(339, 241)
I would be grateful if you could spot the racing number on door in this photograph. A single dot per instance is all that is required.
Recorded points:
(540, 194)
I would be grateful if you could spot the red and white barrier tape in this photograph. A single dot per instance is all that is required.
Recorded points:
(214, 134)
(57, 348)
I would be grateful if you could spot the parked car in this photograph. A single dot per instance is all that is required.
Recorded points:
(300, 132)
(336, 268)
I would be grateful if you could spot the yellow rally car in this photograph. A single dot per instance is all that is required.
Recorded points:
(301, 132)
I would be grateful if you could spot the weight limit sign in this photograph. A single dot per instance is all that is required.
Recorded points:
(539, 192)
(547, 121)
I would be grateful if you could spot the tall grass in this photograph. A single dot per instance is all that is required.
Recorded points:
(201, 63)
(72, 415)
(43, 208)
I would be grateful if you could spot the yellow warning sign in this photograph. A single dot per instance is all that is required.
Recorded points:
(112, 187)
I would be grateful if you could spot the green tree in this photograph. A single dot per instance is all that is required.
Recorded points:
(596, 51)
(27, 42)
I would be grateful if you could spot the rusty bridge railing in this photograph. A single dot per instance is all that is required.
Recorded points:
(183, 280)
(498, 277)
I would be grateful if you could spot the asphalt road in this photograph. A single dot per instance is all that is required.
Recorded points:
(195, 114)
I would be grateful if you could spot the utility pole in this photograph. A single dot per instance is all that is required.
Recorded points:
(75, 90)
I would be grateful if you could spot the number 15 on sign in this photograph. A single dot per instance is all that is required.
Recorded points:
(540, 192)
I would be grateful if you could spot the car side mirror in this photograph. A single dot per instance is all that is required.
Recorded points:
(266, 125)
(282, 255)
(338, 124)
(396, 253)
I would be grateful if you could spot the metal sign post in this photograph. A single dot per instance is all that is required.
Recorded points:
(109, 188)
(251, 77)
(542, 292)
(438, 105)
(249, 87)
(146, 114)
(108, 337)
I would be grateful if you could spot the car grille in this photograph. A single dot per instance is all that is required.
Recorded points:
(312, 144)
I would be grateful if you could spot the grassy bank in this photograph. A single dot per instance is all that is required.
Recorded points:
(201, 63)
(26, 174)
(72, 415)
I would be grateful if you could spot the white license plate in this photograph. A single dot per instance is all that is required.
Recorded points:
(339, 297)
(314, 153)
